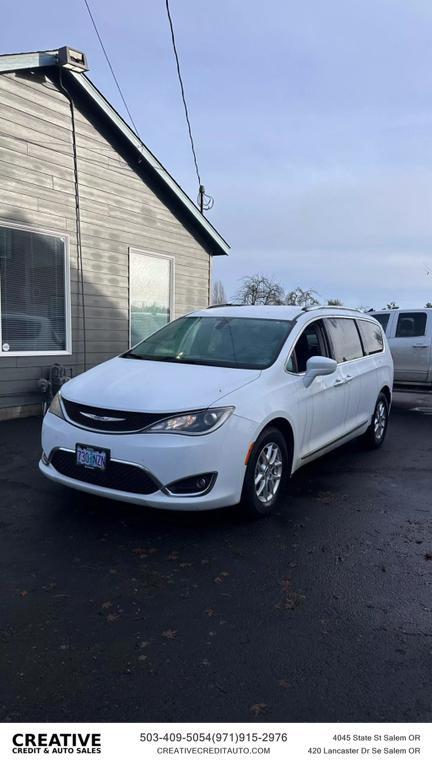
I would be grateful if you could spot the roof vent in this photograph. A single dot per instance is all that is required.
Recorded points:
(69, 58)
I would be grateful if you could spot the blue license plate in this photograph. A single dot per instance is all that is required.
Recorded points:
(92, 458)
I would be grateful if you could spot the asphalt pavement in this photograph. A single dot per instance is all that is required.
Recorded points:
(111, 612)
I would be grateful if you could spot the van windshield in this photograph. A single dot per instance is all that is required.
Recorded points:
(228, 342)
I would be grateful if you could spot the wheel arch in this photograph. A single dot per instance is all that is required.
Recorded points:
(386, 391)
(284, 426)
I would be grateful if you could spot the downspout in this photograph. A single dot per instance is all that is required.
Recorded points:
(77, 215)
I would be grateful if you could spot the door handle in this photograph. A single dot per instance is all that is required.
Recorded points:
(420, 346)
(339, 382)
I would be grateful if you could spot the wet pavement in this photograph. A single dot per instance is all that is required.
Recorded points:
(111, 612)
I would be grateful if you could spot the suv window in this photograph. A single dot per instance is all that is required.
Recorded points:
(411, 324)
(310, 343)
(345, 339)
(383, 319)
(371, 336)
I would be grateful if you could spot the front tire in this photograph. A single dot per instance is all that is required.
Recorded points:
(375, 435)
(267, 473)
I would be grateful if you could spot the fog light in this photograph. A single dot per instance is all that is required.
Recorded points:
(189, 486)
(45, 459)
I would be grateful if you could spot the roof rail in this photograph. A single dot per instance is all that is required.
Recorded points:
(226, 304)
(330, 306)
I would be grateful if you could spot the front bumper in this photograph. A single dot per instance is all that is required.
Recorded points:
(166, 457)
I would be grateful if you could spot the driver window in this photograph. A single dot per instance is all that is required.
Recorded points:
(308, 345)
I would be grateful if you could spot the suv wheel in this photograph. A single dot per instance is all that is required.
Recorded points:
(267, 472)
(375, 435)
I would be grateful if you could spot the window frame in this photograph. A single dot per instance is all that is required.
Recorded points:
(325, 339)
(154, 254)
(332, 349)
(411, 313)
(358, 323)
(35, 230)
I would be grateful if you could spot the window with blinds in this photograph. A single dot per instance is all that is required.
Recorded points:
(33, 301)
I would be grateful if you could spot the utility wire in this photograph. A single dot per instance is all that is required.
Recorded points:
(110, 66)
(182, 90)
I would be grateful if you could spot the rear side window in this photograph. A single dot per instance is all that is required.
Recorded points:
(411, 324)
(345, 339)
(371, 336)
(383, 319)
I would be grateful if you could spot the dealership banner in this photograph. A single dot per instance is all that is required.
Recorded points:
(201, 744)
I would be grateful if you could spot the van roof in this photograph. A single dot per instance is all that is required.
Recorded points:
(274, 312)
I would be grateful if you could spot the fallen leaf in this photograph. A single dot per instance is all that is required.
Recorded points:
(170, 634)
(219, 579)
(284, 684)
(210, 611)
(173, 556)
(112, 617)
(106, 605)
(258, 709)
(24, 593)
(142, 658)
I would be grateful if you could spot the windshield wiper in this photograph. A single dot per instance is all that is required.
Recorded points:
(132, 354)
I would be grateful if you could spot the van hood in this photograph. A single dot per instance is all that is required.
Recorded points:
(152, 386)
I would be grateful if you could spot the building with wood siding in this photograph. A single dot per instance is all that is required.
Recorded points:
(98, 243)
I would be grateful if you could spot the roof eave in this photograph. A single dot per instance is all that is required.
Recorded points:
(20, 61)
(219, 245)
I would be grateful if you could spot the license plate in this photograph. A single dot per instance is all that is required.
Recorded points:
(92, 458)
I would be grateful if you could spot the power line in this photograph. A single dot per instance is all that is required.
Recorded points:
(111, 67)
(182, 90)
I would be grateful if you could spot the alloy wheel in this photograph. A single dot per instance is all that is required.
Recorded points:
(380, 421)
(268, 472)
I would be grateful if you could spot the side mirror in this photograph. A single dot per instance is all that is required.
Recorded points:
(318, 366)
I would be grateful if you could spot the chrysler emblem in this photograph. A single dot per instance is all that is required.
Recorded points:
(94, 417)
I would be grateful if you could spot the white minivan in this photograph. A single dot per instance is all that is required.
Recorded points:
(221, 407)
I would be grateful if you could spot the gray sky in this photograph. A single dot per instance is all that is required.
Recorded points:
(312, 120)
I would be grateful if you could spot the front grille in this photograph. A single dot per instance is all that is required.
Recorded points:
(128, 421)
(118, 476)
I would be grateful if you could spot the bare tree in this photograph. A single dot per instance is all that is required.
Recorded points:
(302, 298)
(335, 302)
(428, 305)
(218, 295)
(258, 289)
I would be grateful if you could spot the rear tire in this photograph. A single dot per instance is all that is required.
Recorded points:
(375, 435)
(267, 473)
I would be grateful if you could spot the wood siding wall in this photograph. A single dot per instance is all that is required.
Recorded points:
(119, 210)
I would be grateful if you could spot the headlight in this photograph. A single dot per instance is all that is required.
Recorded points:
(55, 406)
(199, 423)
